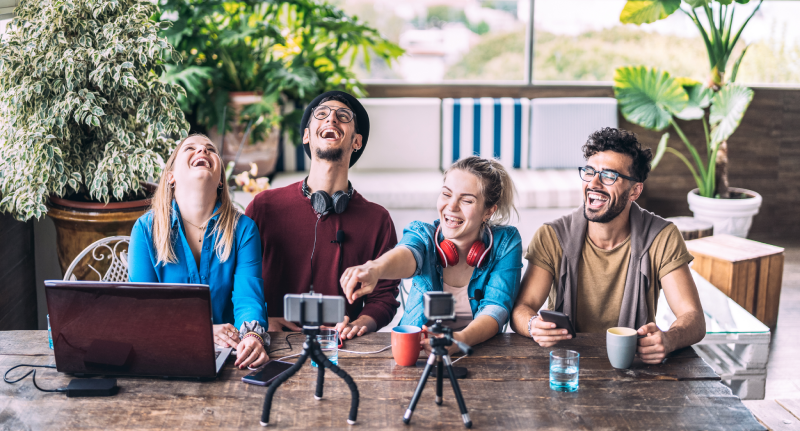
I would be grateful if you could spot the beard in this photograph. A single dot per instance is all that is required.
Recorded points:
(330, 155)
(613, 209)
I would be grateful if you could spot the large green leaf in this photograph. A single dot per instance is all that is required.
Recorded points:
(697, 3)
(699, 99)
(648, 97)
(647, 11)
(727, 109)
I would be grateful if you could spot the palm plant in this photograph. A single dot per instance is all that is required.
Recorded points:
(653, 99)
(287, 50)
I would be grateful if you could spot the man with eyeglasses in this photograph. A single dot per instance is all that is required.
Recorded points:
(314, 229)
(605, 264)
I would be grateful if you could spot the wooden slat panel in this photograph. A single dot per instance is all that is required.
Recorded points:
(774, 290)
(749, 288)
(791, 405)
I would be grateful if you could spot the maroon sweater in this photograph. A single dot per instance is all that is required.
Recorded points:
(286, 220)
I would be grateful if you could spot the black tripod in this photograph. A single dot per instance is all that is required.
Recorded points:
(439, 355)
(312, 349)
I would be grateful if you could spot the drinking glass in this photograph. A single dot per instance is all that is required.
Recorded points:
(49, 333)
(327, 339)
(564, 367)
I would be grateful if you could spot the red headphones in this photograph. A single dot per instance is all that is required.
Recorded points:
(448, 255)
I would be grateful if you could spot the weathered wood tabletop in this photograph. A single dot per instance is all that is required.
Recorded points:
(507, 387)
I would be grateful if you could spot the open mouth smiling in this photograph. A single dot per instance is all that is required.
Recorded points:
(452, 222)
(201, 162)
(596, 200)
(330, 133)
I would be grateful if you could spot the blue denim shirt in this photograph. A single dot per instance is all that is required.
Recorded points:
(236, 287)
(499, 277)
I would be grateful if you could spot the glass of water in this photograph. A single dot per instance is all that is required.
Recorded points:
(327, 339)
(564, 367)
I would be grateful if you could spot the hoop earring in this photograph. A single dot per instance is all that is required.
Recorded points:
(220, 186)
(172, 185)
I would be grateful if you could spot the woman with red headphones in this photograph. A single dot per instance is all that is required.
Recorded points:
(470, 252)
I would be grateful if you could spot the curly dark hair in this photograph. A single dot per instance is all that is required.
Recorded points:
(623, 142)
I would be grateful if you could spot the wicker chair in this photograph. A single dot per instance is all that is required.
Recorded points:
(118, 265)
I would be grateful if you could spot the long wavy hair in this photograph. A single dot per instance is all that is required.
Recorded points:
(161, 206)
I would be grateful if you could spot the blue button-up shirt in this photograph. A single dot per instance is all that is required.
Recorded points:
(237, 292)
(498, 278)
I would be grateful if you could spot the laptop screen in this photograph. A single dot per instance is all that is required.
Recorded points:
(144, 329)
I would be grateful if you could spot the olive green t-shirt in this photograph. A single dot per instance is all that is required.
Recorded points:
(602, 274)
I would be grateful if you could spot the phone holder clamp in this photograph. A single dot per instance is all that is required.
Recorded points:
(312, 349)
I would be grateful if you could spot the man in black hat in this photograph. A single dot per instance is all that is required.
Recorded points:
(313, 229)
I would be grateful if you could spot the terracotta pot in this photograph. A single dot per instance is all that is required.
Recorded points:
(264, 153)
(79, 224)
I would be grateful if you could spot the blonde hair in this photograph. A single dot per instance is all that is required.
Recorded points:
(225, 228)
(497, 187)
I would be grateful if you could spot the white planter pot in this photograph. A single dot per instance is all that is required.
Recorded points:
(729, 216)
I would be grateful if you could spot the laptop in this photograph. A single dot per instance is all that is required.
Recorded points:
(133, 329)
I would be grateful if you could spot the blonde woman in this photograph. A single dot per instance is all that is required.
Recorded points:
(193, 234)
(469, 252)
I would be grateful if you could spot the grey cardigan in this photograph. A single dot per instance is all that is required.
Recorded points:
(571, 232)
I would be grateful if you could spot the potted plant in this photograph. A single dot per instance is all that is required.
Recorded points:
(653, 99)
(84, 120)
(263, 60)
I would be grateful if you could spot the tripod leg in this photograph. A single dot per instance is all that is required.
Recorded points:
(279, 381)
(460, 399)
(320, 381)
(324, 362)
(439, 378)
(418, 392)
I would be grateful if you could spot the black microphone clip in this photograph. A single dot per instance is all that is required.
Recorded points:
(339, 237)
(478, 295)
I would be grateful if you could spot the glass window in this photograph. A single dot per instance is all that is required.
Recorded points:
(3, 24)
(583, 40)
(447, 40)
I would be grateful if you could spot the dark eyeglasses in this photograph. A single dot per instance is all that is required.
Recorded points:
(606, 177)
(344, 115)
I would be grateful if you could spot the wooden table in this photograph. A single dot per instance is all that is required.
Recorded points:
(507, 387)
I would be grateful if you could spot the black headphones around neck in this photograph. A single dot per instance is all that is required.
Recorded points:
(324, 203)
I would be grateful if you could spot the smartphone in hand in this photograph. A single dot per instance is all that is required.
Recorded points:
(560, 319)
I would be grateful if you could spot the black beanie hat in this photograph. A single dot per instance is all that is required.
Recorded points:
(362, 120)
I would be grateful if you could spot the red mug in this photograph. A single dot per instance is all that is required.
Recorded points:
(406, 344)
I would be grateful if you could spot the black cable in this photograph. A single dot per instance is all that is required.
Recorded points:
(5, 376)
(312, 252)
(287, 342)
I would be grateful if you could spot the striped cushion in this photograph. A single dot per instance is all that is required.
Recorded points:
(490, 128)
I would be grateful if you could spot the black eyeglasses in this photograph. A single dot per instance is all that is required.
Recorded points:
(344, 115)
(606, 177)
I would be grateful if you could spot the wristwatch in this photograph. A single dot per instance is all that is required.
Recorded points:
(530, 321)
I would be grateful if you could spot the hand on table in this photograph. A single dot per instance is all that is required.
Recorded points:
(654, 347)
(453, 348)
(365, 274)
(250, 353)
(546, 334)
(226, 335)
(276, 324)
(349, 330)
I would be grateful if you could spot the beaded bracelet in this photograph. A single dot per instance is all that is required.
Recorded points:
(253, 334)
(529, 323)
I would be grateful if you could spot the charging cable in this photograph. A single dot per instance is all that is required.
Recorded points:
(5, 376)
